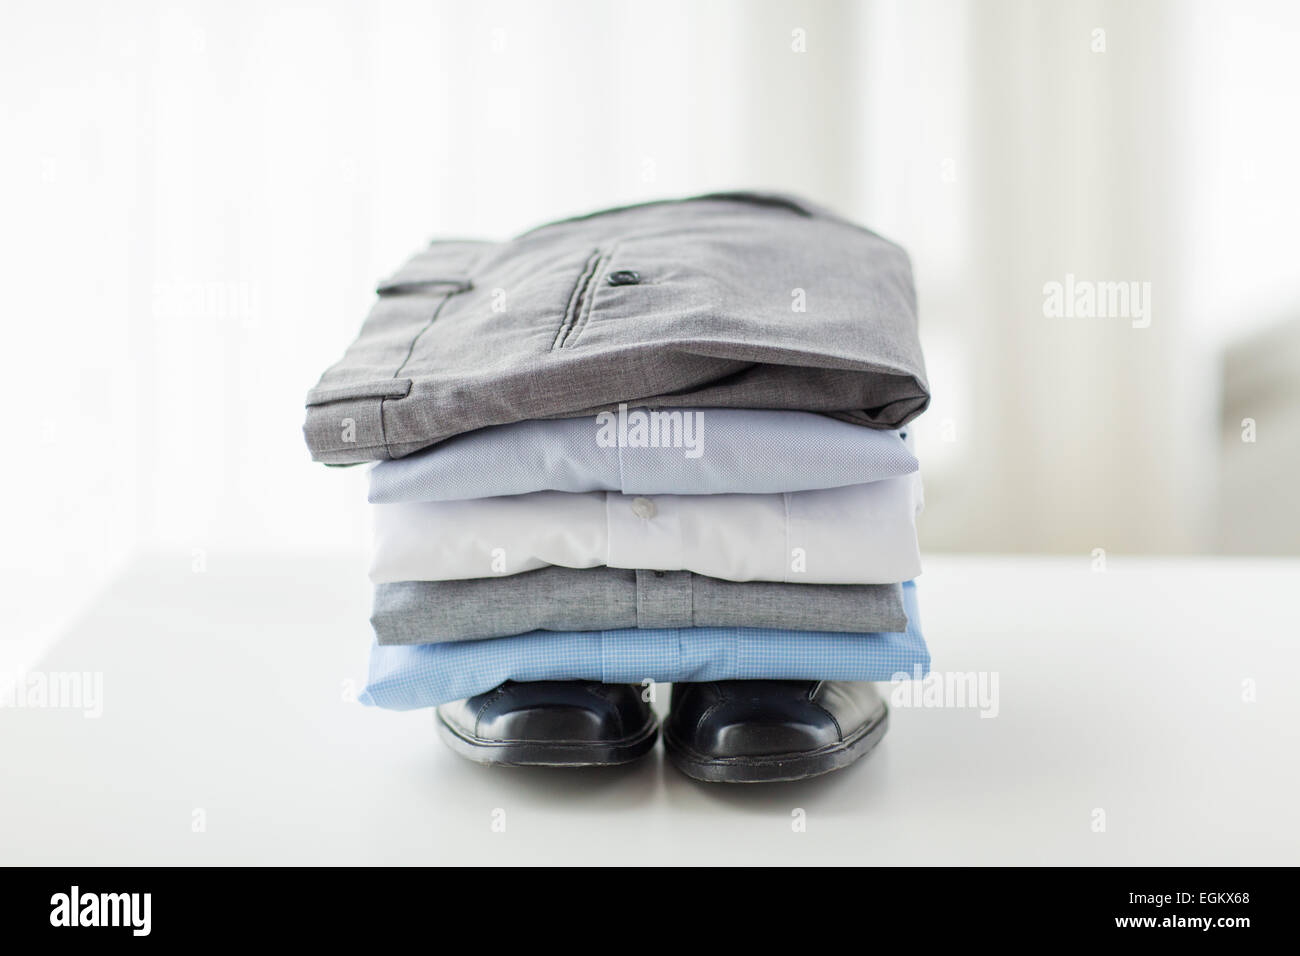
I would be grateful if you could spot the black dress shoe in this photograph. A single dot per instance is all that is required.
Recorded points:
(761, 731)
(551, 724)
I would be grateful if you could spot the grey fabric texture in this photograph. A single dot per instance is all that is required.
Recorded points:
(591, 599)
(738, 300)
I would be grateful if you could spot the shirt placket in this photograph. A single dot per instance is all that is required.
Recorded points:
(664, 599)
(643, 532)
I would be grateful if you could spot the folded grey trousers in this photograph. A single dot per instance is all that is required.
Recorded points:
(736, 300)
(602, 598)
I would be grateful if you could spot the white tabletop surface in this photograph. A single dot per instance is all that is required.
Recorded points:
(1124, 691)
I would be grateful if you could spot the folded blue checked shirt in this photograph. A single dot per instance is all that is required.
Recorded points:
(649, 452)
(404, 677)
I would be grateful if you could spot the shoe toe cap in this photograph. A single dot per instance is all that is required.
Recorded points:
(551, 712)
(743, 728)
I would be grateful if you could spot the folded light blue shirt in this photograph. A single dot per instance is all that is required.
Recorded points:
(404, 677)
(642, 452)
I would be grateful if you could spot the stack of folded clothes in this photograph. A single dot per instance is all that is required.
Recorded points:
(662, 443)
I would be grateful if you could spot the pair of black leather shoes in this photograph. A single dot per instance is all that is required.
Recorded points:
(754, 731)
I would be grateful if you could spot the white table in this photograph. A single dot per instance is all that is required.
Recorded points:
(1120, 690)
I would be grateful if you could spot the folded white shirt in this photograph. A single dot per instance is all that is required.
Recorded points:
(856, 534)
(723, 451)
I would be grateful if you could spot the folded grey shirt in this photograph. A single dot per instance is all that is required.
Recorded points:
(602, 598)
(737, 300)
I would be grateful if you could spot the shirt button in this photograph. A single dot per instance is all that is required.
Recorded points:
(624, 277)
(643, 508)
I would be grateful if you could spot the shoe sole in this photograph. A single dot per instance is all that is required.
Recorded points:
(512, 753)
(777, 768)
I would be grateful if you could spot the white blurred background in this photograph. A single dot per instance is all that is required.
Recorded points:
(198, 198)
